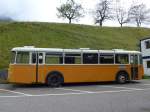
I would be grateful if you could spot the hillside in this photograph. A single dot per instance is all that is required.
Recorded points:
(66, 36)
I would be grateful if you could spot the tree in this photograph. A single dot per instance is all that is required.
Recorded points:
(139, 14)
(6, 19)
(103, 12)
(122, 16)
(70, 10)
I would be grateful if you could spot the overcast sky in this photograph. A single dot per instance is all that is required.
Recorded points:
(45, 10)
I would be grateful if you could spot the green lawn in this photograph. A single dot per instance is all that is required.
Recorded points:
(56, 35)
(146, 77)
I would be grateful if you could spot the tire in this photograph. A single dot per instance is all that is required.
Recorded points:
(54, 79)
(122, 77)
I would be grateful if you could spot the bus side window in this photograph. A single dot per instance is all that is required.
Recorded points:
(72, 58)
(40, 58)
(134, 59)
(90, 58)
(121, 59)
(106, 58)
(53, 58)
(69, 60)
(33, 58)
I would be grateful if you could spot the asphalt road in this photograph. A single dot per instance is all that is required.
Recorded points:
(101, 97)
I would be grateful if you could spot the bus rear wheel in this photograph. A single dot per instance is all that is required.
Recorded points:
(122, 77)
(54, 79)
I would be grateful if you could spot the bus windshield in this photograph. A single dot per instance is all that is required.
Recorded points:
(20, 57)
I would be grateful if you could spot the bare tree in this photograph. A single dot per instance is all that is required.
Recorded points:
(103, 12)
(139, 14)
(70, 10)
(122, 16)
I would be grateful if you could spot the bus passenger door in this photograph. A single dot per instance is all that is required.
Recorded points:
(33, 61)
(40, 67)
(134, 66)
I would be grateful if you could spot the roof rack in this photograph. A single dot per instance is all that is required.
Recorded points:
(118, 49)
(84, 48)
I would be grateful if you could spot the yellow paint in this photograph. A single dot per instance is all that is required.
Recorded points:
(72, 73)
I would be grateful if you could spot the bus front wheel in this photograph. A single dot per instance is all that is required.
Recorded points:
(54, 79)
(122, 77)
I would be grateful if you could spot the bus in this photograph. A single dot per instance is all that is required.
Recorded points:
(55, 66)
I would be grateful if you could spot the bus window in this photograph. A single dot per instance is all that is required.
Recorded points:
(53, 58)
(90, 58)
(72, 58)
(106, 58)
(13, 55)
(121, 59)
(134, 59)
(40, 58)
(33, 58)
(22, 57)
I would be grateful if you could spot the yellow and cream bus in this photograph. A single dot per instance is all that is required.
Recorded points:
(55, 66)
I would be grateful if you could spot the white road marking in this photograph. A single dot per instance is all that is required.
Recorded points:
(65, 94)
(15, 92)
(82, 91)
(144, 84)
(98, 92)
(123, 87)
(17, 96)
(76, 92)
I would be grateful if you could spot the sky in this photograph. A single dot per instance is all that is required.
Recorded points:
(45, 10)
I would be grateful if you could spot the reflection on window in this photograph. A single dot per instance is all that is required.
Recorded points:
(122, 59)
(72, 58)
(22, 57)
(106, 59)
(90, 58)
(134, 59)
(53, 58)
(33, 58)
(40, 58)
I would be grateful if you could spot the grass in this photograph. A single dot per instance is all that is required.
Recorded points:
(13, 34)
(146, 77)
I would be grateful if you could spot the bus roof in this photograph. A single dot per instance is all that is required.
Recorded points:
(33, 49)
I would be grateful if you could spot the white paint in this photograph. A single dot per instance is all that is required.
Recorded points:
(82, 91)
(66, 94)
(146, 84)
(76, 92)
(15, 92)
(32, 49)
(123, 87)
(143, 84)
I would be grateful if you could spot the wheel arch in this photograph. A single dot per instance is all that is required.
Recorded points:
(54, 72)
(124, 71)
